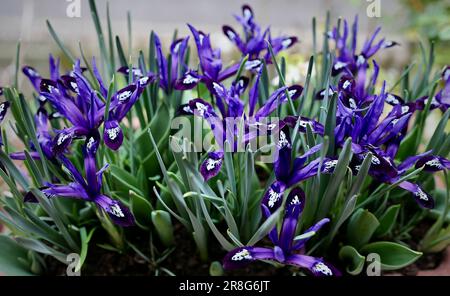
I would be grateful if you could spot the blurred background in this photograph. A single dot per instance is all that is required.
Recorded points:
(406, 21)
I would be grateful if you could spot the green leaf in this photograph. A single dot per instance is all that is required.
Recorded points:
(387, 221)
(58, 41)
(163, 225)
(40, 247)
(13, 258)
(361, 227)
(141, 209)
(125, 179)
(354, 262)
(336, 179)
(438, 135)
(85, 238)
(120, 53)
(392, 255)
(100, 37)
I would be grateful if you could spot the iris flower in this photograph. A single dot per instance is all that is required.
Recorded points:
(348, 60)
(73, 98)
(44, 138)
(170, 68)
(4, 106)
(210, 64)
(288, 248)
(88, 188)
(231, 106)
(370, 132)
(253, 43)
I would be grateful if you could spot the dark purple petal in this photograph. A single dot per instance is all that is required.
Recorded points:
(70, 83)
(389, 43)
(228, 72)
(242, 256)
(295, 203)
(411, 160)
(33, 75)
(292, 121)
(302, 173)
(47, 85)
(22, 156)
(211, 165)
(322, 93)
(62, 140)
(189, 80)
(309, 233)
(162, 64)
(240, 85)
(346, 84)
(202, 108)
(446, 74)
(431, 163)
(72, 190)
(282, 165)
(123, 96)
(273, 198)
(329, 165)
(253, 65)
(90, 163)
(126, 70)
(317, 266)
(184, 109)
(112, 134)
(142, 82)
(275, 100)
(54, 67)
(103, 89)
(234, 37)
(3, 110)
(393, 100)
(421, 197)
(116, 210)
(254, 94)
(74, 173)
(372, 116)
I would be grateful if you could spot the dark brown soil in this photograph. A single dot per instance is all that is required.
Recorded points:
(427, 261)
(184, 260)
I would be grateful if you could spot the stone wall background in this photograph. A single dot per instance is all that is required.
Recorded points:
(25, 20)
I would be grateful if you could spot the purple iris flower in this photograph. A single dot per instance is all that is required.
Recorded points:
(169, 68)
(287, 247)
(88, 188)
(73, 98)
(290, 172)
(177, 65)
(232, 107)
(370, 132)
(347, 59)
(44, 138)
(210, 64)
(253, 43)
(4, 106)
(442, 99)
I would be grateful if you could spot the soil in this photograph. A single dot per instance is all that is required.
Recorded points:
(427, 263)
(185, 260)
